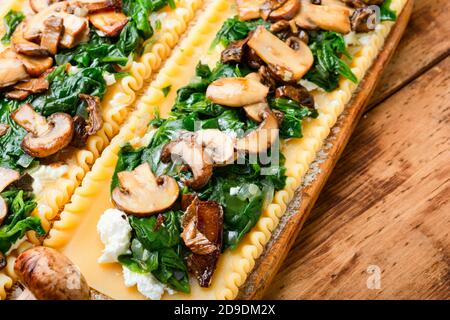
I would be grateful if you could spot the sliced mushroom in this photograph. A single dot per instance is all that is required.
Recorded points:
(23, 89)
(260, 139)
(3, 214)
(235, 52)
(254, 76)
(269, 6)
(100, 5)
(75, 30)
(3, 129)
(7, 177)
(355, 3)
(25, 47)
(286, 12)
(256, 111)
(364, 20)
(34, 66)
(35, 24)
(193, 155)
(45, 136)
(296, 93)
(51, 35)
(249, 9)
(331, 18)
(268, 78)
(203, 221)
(95, 121)
(109, 22)
(236, 92)
(193, 238)
(289, 64)
(80, 134)
(39, 5)
(140, 193)
(50, 275)
(3, 260)
(11, 71)
(218, 145)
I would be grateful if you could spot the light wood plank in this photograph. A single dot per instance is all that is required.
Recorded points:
(424, 43)
(386, 204)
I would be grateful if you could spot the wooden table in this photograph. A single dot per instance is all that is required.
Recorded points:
(381, 226)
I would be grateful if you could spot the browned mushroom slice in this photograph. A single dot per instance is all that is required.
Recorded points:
(50, 275)
(75, 28)
(202, 232)
(34, 25)
(355, 3)
(99, 5)
(364, 20)
(3, 129)
(289, 64)
(23, 89)
(236, 92)
(3, 261)
(25, 47)
(51, 35)
(95, 121)
(235, 51)
(218, 145)
(269, 6)
(256, 111)
(331, 18)
(45, 136)
(109, 22)
(286, 12)
(260, 139)
(39, 5)
(11, 71)
(193, 155)
(34, 66)
(249, 9)
(7, 176)
(141, 193)
(296, 93)
(17, 95)
(80, 134)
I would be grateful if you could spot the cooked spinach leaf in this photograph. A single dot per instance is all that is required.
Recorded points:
(18, 221)
(157, 248)
(386, 13)
(327, 48)
(12, 154)
(294, 113)
(11, 21)
(234, 29)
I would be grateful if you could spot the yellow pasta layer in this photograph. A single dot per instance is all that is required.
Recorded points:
(116, 106)
(75, 233)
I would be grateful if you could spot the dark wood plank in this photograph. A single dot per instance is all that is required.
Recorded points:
(424, 44)
(305, 198)
(386, 204)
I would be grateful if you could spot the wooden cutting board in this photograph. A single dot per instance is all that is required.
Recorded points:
(291, 223)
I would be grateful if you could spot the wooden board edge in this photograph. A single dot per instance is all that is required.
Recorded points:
(304, 199)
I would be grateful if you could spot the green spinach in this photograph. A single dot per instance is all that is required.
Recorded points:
(386, 13)
(11, 21)
(18, 221)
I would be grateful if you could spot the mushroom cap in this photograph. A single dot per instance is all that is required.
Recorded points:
(109, 22)
(192, 154)
(7, 176)
(12, 70)
(287, 11)
(142, 194)
(218, 145)
(50, 275)
(287, 63)
(260, 139)
(236, 91)
(57, 137)
(256, 111)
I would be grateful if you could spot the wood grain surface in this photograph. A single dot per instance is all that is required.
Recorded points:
(386, 205)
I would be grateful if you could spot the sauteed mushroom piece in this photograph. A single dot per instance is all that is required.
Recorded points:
(95, 121)
(141, 193)
(260, 139)
(236, 92)
(364, 20)
(34, 66)
(296, 93)
(218, 145)
(194, 156)
(49, 275)
(249, 9)
(287, 63)
(110, 22)
(332, 18)
(25, 47)
(286, 12)
(11, 71)
(45, 136)
(51, 34)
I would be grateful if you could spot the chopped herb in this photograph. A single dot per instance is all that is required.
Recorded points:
(166, 90)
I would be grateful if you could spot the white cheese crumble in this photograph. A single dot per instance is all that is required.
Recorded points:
(15, 245)
(310, 86)
(146, 284)
(351, 39)
(47, 174)
(115, 233)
